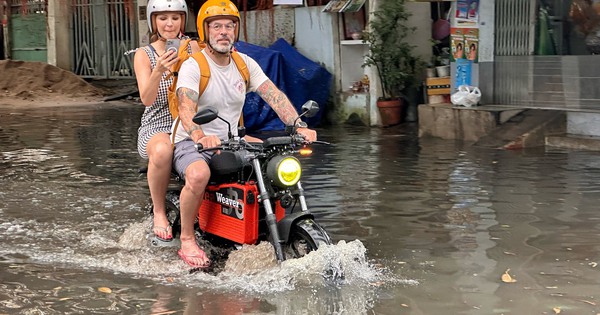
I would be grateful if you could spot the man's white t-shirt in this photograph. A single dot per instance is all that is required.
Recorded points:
(225, 91)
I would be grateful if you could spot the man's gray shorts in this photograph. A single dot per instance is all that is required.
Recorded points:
(185, 154)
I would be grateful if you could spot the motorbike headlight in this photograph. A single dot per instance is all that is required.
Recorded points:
(284, 171)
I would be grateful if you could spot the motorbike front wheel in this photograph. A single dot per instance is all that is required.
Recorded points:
(306, 236)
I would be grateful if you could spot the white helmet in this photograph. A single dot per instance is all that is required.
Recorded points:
(155, 6)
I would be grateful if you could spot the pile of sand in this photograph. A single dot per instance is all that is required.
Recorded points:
(26, 82)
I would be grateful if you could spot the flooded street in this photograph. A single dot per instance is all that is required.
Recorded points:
(420, 226)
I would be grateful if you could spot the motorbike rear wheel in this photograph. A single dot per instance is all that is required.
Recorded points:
(305, 236)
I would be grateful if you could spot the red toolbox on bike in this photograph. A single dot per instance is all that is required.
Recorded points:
(232, 211)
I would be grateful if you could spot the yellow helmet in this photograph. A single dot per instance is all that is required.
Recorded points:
(213, 9)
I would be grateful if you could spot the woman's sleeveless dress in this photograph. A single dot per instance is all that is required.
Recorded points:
(156, 118)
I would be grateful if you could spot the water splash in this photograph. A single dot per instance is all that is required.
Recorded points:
(252, 269)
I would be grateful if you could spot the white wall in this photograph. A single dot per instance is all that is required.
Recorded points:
(317, 36)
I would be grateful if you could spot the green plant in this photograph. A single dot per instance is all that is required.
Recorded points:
(389, 52)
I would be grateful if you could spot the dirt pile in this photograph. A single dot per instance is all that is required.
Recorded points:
(38, 81)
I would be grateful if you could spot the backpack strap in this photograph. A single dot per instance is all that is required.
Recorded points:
(242, 67)
(153, 50)
(204, 71)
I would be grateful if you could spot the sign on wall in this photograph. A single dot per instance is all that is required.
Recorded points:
(467, 12)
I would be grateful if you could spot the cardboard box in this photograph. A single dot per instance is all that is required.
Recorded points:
(438, 86)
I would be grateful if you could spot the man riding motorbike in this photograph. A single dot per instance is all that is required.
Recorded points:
(218, 27)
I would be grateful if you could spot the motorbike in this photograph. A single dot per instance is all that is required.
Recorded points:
(254, 193)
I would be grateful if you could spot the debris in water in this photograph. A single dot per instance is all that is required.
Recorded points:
(104, 290)
(507, 278)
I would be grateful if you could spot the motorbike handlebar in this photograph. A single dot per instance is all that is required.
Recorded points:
(320, 142)
(269, 142)
(200, 148)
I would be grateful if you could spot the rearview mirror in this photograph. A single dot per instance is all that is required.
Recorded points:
(310, 109)
(205, 115)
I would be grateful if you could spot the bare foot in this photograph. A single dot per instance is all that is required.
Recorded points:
(193, 255)
(162, 227)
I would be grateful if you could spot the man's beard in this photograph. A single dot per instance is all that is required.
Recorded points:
(220, 48)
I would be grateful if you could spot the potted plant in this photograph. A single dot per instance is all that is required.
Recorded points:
(392, 56)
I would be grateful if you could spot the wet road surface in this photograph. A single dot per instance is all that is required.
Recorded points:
(421, 226)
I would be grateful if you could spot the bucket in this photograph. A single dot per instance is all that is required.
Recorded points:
(430, 72)
(390, 112)
(443, 71)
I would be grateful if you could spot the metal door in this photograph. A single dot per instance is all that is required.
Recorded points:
(515, 27)
(27, 30)
(514, 44)
(103, 30)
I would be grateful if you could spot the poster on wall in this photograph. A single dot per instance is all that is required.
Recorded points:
(336, 5)
(472, 45)
(464, 44)
(467, 12)
(457, 44)
(464, 72)
(354, 5)
(344, 6)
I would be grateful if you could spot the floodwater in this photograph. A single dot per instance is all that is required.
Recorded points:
(421, 226)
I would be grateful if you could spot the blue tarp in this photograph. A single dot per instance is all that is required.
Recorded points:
(297, 76)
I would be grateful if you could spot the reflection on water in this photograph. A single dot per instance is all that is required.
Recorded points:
(422, 226)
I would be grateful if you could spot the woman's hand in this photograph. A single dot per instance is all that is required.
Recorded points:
(166, 60)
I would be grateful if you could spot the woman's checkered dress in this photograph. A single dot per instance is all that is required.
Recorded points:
(156, 118)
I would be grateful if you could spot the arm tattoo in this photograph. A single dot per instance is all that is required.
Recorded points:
(278, 101)
(188, 106)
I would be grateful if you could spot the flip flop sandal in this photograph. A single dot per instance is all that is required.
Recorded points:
(167, 230)
(188, 259)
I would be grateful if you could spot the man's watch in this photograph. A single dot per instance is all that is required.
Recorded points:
(301, 124)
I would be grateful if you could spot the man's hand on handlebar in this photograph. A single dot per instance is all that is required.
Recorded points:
(310, 135)
(209, 142)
